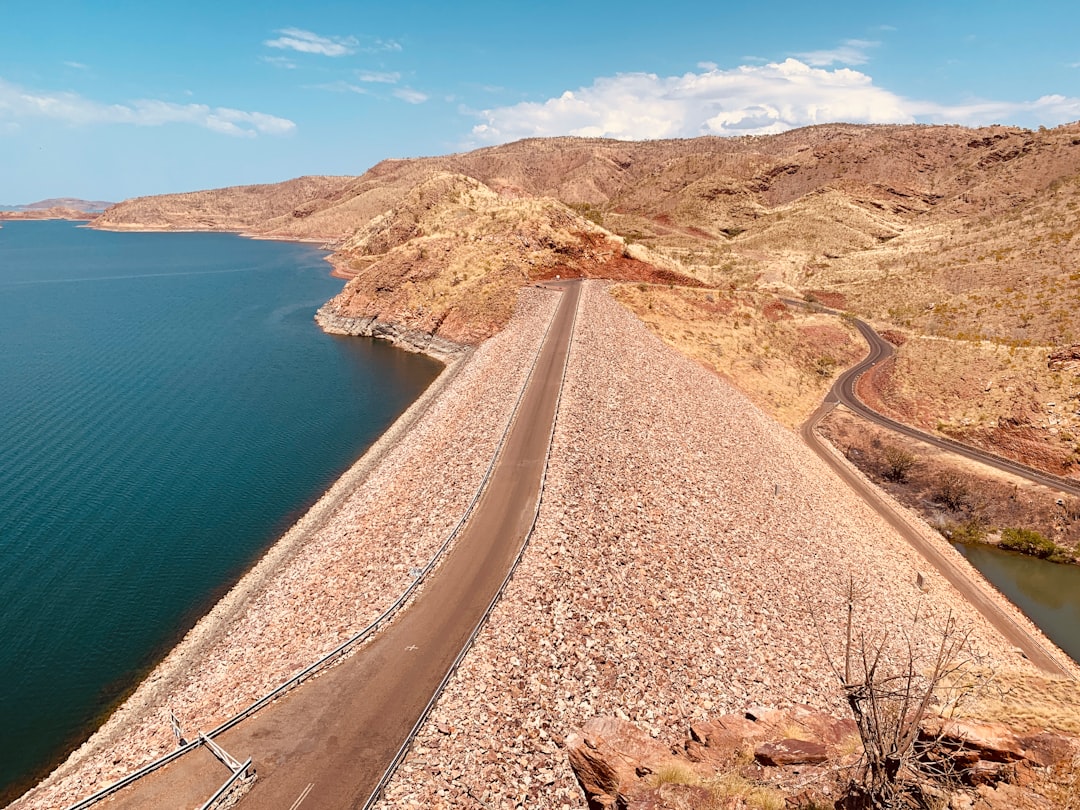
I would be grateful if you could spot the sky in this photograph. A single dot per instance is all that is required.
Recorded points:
(108, 100)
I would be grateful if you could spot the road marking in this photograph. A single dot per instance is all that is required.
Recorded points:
(303, 795)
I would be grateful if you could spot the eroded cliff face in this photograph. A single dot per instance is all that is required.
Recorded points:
(413, 340)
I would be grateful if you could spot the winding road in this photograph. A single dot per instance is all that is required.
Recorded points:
(329, 743)
(843, 391)
(954, 570)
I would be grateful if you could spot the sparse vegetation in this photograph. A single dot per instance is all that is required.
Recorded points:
(898, 463)
(890, 686)
(968, 532)
(953, 491)
(1032, 543)
(727, 790)
(992, 500)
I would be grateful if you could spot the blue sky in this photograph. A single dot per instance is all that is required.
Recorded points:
(109, 100)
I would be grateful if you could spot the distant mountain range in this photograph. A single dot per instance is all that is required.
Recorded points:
(87, 206)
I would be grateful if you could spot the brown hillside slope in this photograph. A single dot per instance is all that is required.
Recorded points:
(448, 260)
(963, 234)
(238, 208)
(56, 212)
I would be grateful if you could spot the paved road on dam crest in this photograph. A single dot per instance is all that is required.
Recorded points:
(327, 743)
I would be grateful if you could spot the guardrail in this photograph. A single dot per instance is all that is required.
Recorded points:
(230, 783)
(339, 652)
(403, 751)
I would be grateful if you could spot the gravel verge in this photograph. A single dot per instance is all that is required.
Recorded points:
(690, 560)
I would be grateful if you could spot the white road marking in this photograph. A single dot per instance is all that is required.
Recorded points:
(303, 795)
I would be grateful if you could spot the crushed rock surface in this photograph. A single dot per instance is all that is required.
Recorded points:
(691, 559)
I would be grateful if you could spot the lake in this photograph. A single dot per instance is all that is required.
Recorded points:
(168, 407)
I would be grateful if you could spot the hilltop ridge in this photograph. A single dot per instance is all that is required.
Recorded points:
(964, 237)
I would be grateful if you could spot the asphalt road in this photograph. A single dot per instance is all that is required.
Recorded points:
(843, 391)
(327, 743)
(880, 350)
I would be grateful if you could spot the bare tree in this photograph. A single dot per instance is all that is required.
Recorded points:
(953, 491)
(889, 688)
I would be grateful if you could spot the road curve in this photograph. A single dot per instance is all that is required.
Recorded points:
(843, 391)
(328, 743)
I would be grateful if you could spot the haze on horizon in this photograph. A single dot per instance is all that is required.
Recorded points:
(129, 100)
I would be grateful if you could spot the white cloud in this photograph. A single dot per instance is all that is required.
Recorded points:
(747, 100)
(1049, 110)
(342, 87)
(378, 77)
(851, 52)
(17, 104)
(297, 39)
(283, 62)
(76, 65)
(410, 95)
(384, 45)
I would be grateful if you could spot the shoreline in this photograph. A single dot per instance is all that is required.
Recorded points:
(304, 558)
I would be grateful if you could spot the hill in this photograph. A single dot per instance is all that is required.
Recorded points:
(56, 212)
(86, 206)
(966, 237)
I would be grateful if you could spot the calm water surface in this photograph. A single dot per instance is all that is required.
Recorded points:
(1049, 593)
(167, 408)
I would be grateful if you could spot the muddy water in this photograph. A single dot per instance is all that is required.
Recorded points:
(1048, 593)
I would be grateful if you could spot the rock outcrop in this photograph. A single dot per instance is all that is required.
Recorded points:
(412, 340)
(984, 766)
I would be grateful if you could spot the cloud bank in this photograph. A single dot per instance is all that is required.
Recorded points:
(747, 100)
(17, 104)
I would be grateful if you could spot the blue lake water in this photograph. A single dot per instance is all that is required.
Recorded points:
(167, 408)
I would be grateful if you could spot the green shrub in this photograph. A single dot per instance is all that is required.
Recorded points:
(1027, 541)
(970, 531)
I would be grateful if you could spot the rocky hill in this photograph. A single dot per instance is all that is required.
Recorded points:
(450, 257)
(55, 212)
(87, 206)
(967, 237)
